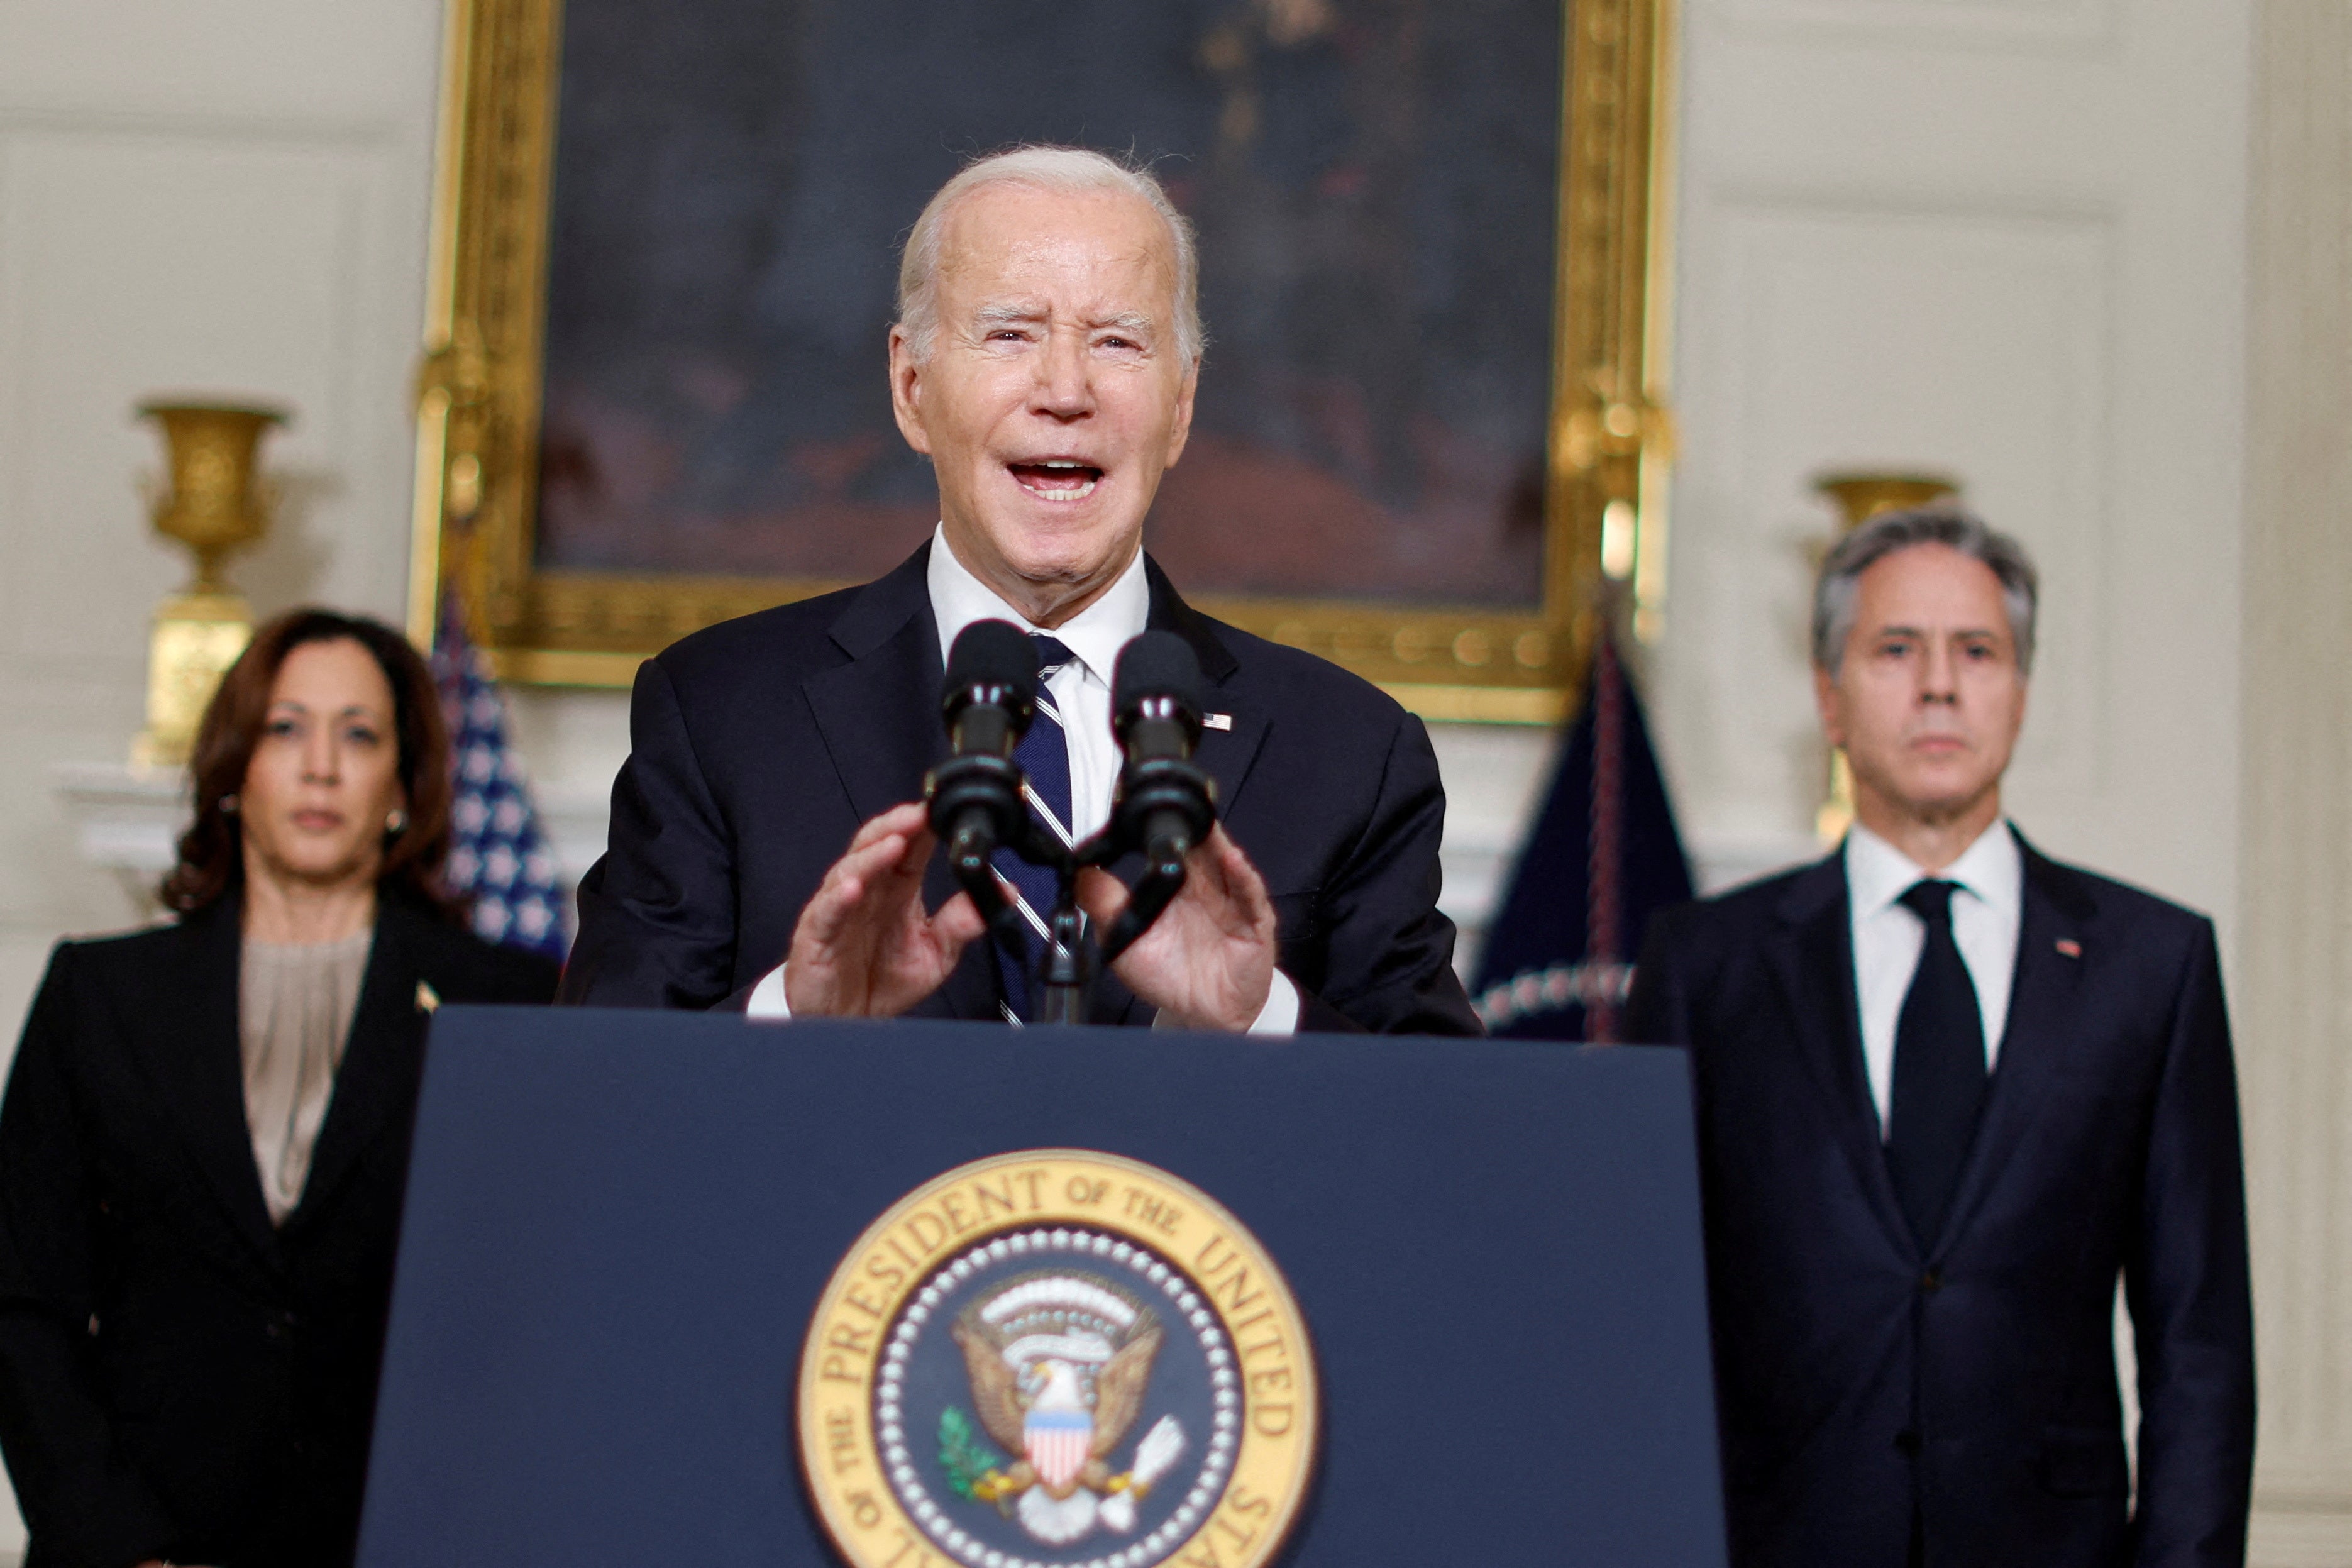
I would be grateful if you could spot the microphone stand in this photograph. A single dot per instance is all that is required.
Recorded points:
(1066, 978)
(1166, 807)
(1164, 804)
(1066, 974)
(1073, 961)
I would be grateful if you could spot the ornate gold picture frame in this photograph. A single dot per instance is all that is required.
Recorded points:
(481, 394)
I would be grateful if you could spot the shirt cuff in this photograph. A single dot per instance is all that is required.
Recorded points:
(1280, 1013)
(1277, 1018)
(767, 998)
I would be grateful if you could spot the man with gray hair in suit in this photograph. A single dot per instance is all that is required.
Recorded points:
(769, 848)
(1948, 1092)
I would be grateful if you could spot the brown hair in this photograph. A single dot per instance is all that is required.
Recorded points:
(211, 856)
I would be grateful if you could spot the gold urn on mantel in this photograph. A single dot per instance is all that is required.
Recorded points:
(214, 502)
(1861, 495)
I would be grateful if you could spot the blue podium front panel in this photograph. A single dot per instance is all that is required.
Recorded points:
(619, 1225)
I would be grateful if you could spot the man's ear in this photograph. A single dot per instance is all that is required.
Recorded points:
(907, 392)
(1825, 700)
(1181, 431)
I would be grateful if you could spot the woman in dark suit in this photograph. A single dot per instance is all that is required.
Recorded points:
(206, 1128)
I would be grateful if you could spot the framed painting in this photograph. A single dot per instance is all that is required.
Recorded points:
(1430, 426)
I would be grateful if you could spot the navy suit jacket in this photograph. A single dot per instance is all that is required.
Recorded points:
(1864, 1383)
(759, 745)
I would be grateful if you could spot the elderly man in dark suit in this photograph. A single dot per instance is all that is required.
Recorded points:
(1045, 360)
(1949, 1090)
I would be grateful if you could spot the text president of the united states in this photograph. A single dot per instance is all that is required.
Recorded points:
(767, 847)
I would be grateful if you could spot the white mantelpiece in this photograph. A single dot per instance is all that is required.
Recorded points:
(127, 822)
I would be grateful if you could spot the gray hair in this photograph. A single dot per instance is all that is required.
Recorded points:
(1070, 170)
(1836, 593)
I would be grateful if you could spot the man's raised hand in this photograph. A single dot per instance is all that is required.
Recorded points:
(1208, 960)
(864, 947)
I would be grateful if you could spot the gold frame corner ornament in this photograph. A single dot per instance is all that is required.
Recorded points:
(1610, 433)
(1039, 1206)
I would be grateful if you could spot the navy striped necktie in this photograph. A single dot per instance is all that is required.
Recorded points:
(1043, 755)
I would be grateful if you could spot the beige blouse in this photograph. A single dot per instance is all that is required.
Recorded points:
(295, 1004)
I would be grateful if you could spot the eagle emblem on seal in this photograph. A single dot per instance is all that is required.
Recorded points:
(1060, 1363)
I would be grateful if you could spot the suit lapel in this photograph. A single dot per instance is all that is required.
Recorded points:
(191, 1044)
(1813, 960)
(383, 1061)
(878, 713)
(1225, 754)
(2044, 1000)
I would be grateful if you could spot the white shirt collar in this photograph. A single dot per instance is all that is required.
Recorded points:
(1095, 634)
(1993, 869)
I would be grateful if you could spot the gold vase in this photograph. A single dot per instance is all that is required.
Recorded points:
(214, 501)
(1861, 496)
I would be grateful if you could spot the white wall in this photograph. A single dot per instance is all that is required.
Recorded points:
(221, 199)
(2295, 833)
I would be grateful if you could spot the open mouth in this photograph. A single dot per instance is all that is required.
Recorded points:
(1056, 478)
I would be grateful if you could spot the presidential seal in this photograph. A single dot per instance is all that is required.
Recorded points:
(1056, 1359)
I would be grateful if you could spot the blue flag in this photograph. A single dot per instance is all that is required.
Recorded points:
(1603, 857)
(498, 858)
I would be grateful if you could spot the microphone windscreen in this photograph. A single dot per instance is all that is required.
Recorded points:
(992, 653)
(1156, 664)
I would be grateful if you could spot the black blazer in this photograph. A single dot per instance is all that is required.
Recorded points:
(1859, 1379)
(759, 746)
(178, 1379)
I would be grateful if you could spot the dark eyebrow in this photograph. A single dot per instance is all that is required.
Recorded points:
(1992, 633)
(348, 710)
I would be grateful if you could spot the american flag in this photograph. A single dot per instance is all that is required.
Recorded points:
(498, 856)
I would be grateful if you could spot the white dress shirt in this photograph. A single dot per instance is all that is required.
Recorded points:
(1081, 693)
(1887, 939)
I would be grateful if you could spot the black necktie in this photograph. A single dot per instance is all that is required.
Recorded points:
(1940, 1070)
(1044, 755)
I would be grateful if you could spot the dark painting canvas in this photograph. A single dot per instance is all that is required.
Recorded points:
(1375, 184)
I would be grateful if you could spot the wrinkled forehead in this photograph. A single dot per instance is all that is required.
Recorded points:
(1092, 252)
(1931, 587)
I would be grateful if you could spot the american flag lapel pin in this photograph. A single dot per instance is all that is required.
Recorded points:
(2069, 947)
(1216, 720)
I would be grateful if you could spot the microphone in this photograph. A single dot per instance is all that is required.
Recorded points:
(987, 701)
(1164, 804)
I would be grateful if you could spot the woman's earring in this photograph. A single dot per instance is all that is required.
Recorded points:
(228, 804)
(396, 821)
